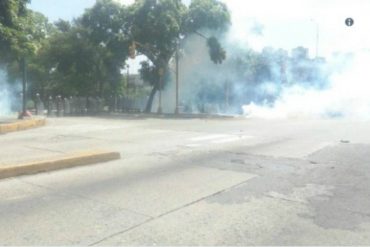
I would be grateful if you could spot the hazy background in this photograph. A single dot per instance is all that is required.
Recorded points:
(314, 24)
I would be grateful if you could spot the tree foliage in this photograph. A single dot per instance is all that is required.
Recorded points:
(217, 53)
(210, 14)
(21, 30)
(29, 45)
(87, 55)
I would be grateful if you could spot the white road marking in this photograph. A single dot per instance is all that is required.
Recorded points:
(215, 139)
(193, 145)
(231, 139)
(209, 137)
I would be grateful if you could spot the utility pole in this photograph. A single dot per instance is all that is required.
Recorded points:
(24, 87)
(177, 78)
(227, 92)
(128, 77)
(161, 73)
(127, 88)
(317, 37)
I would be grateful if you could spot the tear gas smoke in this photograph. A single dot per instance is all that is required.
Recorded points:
(346, 91)
(253, 82)
(4, 95)
(347, 95)
(7, 99)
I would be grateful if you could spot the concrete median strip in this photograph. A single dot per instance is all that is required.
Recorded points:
(21, 125)
(81, 159)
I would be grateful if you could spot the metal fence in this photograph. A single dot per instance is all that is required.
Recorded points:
(83, 106)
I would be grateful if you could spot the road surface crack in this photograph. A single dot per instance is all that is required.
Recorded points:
(85, 198)
(169, 212)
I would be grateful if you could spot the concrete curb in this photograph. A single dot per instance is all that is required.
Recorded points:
(170, 116)
(81, 159)
(22, 125)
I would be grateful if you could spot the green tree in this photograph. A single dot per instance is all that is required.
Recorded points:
(37, 30)
(21, 30)
(156, 26)
(106, 25)
(85, 57)
(73, 63)
(11, 27)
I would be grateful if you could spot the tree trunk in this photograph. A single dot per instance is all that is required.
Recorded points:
(100, 93)
(149, 103)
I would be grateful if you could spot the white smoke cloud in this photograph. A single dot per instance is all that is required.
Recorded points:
(10, 100)
(5, 97)
(348, 96)
(290, 23)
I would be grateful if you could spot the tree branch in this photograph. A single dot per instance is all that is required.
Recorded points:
(201, 35)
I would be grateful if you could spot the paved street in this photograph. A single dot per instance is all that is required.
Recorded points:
(234, 181)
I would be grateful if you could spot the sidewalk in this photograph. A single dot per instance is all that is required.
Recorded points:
(33, 151)
(10, 125)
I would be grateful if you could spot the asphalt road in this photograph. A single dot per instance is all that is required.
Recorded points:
(191, 182)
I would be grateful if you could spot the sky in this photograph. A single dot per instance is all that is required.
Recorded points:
(286, 23)
(61, 9)
(70, 9)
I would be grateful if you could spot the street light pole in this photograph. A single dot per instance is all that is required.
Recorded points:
(226, 95)
(127, 88)
(317, 37)
(177, 79)
(128, 78)
(161, 73)
(24, 86)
